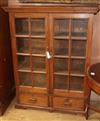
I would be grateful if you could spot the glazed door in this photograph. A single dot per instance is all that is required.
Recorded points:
(68, 48)
(31, 42)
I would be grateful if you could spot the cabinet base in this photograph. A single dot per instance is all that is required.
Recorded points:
(50, 109)
(22, 106)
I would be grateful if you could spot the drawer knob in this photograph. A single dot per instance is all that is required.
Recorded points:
(68, 102)
(34, 100)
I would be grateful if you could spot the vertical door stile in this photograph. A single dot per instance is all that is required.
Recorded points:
(30, 39)
(47, 39)
(47, 60)
(69, 63)
(13, 47)
(50, 21)
(51, 49)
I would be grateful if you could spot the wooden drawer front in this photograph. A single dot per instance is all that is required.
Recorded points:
(65, 103)
(33, 100)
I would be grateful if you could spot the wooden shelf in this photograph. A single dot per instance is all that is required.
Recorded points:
(38, 36)
(21, 70)
(24, 54)
(78, 75)
(22, 36)
(38, 55)
(78, 57)
(61, 73)
(32, 36)
(60, 56)
(61, 37)
(39, 72)
(77, 91)
(79, 38)
(28, 54)
(24, 86)
(29, 71)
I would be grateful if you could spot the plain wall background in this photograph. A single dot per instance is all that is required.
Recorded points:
(95, 52)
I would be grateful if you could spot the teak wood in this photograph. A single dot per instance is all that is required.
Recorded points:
(51, 46)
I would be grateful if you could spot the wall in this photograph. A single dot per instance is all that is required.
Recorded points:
(95, 54)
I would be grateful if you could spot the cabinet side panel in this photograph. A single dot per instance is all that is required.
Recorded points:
(6, 73)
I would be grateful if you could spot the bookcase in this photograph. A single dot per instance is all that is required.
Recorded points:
(51, 46)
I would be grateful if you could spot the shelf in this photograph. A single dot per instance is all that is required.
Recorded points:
(77, 91)
(39, 72)
(27, 54)
(38, 55)
(61, 37)
(77, 57)
(21, 70)
(38, 36)
(23, 54)
(78, 75)
(32, 36)
(61, 73)
(22, 36)
(72, 38)
(24, 86)
(79, 38)
(60, 56)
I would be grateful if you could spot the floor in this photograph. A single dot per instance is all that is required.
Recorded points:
(13, 114)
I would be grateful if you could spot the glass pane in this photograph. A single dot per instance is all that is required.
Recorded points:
(61, 27)
(38, 26)
(79, 27)
(23, 45)
(61, 65)
(23, 62)
(78, 48)
(61, 47)
(21, 26)
(39, 80)
(77, 66)
(60, 82)
(25, 79)
(39, 64)
(76, 83)
(38, 46)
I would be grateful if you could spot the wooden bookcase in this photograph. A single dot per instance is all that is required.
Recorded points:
(7, 88)
(51, 52)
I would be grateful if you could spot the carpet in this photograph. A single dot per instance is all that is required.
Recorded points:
(13, 114)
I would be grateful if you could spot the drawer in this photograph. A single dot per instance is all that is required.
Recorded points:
(33, 100)
(66, 103)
